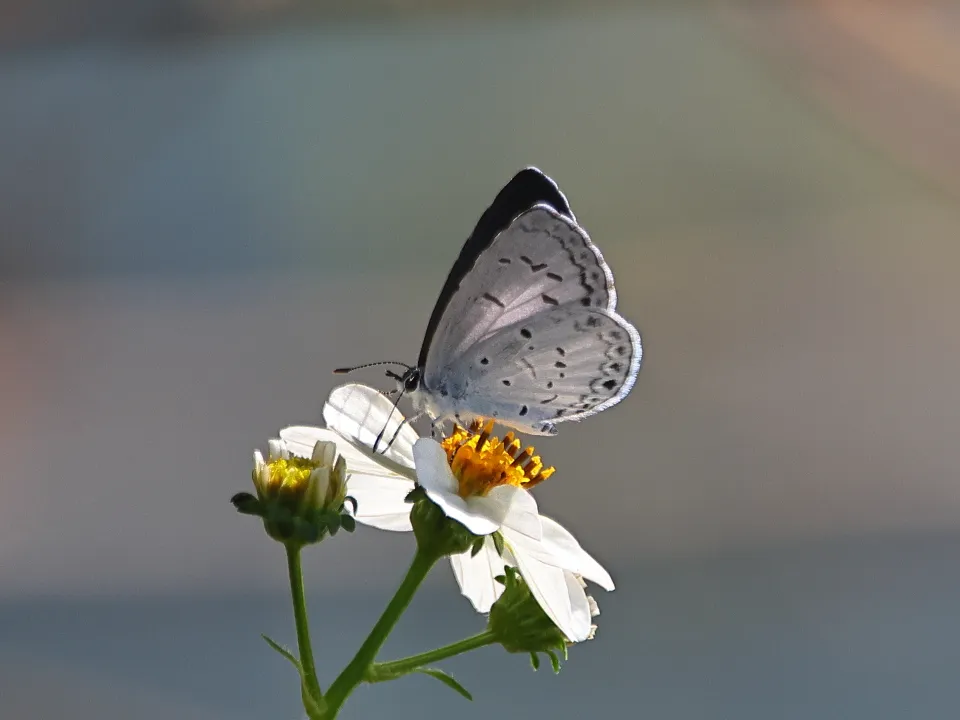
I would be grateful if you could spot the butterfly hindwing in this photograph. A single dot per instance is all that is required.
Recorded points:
(564, 363)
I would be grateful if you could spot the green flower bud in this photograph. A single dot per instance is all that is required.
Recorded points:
(521, 625)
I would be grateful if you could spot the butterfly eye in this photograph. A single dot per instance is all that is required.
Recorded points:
(411, 380)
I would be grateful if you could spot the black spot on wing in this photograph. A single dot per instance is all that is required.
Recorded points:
(554, 276)
(495, 300)
(526, 333)
(523, 410)
(538, 267)
(549, 300)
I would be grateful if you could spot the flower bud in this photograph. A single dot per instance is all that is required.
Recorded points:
(300, 500)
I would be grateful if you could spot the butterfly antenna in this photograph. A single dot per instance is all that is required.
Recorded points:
(345, 370)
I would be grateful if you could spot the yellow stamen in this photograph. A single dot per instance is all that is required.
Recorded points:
(481, 461)
(289, 476)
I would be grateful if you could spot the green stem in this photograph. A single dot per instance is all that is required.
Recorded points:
(303, 628)
(353, 673)
(379, 672)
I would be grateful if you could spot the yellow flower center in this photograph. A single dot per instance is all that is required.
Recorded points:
(289, 477)
(481, 461)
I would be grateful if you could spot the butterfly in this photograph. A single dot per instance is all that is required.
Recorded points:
(525, 330)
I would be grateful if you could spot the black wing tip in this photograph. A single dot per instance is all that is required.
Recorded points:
(529, 187)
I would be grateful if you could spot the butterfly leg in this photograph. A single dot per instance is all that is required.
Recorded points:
(399, 428)
(436, 430)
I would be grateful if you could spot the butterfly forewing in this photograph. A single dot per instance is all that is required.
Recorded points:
(543, 260)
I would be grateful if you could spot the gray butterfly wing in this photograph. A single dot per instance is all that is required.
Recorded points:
(564, 363)
(541, 261)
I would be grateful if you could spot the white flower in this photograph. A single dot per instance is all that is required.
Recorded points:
(475, 479)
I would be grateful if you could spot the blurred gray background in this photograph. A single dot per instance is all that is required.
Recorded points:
(206, 206)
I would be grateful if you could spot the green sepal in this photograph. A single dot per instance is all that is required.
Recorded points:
(535, 661)
(498, 542)
(247, 504)
(477, 547)
(305, 532)
(554, 660)
(348, 523)
(447, 680)
(418, 493)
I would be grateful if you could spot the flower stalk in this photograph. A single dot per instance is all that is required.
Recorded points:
(354, 673)
(381, 672)
(307, 665)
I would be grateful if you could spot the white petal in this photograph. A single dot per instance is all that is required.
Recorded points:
(324, 452)
(276, 449)
(360, 413)
(584, 608)
(559, 594)
(456, 508)
(559, 548)
(433, 472)
(475, 576)
(301, 440)
(380, 501)
(509, 507)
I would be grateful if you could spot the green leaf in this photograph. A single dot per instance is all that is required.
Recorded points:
(447, 680)
(313, 708)
(535, 661)
(477, 547)
(283, 651)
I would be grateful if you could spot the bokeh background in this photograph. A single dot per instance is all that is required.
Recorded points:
(206, 205)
